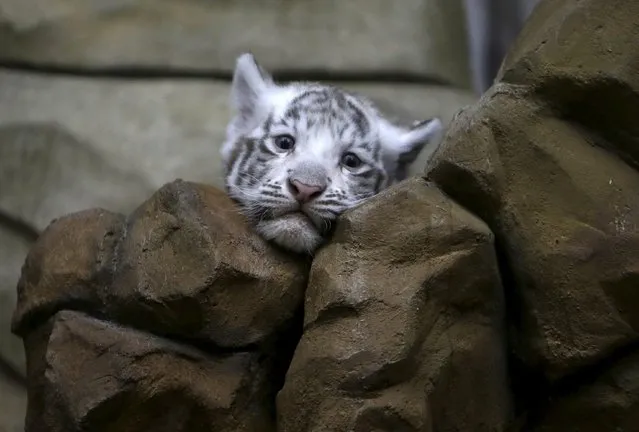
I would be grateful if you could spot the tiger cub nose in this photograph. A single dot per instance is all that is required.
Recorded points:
(303, 192)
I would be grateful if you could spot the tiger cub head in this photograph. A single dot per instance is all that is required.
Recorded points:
(297, 155)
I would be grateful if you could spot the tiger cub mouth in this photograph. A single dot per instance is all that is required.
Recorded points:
(299, 217)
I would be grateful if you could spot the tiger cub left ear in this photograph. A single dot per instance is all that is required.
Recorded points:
(250, 82)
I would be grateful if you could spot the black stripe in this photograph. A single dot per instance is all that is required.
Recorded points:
(235, 153)
(359, 119)
(293, 113)
(250, 174)
(328, 202)
(273, 194)
(264, 148)
(250, 148)
(268, 123)
(368, 174)
(379, 180)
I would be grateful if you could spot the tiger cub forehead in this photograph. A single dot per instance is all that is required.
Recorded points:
(329, 117)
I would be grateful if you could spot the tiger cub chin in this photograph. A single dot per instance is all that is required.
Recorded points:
(297, 155)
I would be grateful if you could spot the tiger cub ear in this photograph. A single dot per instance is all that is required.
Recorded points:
(403, 145)
(250, 84)
(413, 141)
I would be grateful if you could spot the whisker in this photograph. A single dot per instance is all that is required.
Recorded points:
(249, 176)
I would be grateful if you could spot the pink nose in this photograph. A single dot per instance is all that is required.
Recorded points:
(303, 192)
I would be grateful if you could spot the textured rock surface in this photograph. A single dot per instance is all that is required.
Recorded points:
(403, 323)
(87, 374)
(359, 36)
(183, 266)
(605, 402)
(587, 76)
(548, 158)
(571, 241)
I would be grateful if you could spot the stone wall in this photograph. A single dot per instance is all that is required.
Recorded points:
(360, 37)
(102, 102)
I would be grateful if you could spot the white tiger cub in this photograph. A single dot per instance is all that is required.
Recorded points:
(297, 155)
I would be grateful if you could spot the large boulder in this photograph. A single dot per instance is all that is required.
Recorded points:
(548, 159)
(403, 323)
(359, 37)
(569, 243)
(178, 309)
(580, 59)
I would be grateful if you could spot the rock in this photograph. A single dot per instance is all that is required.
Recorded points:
(422, 38)
(13, 249)
(69, 267)
(403, 323)
(587, 76)
(186, 266)
(562, 204)
(191, 266)
(88, 374)
(609, 403)
(13, 404)
(548, 159)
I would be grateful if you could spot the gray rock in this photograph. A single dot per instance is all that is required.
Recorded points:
(426, 38)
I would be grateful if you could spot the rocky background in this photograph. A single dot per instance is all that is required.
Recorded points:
(496, 292)
(102, 102)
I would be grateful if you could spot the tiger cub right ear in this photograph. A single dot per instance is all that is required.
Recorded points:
(250, 83)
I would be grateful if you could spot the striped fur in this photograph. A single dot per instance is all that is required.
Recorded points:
(341, 144)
